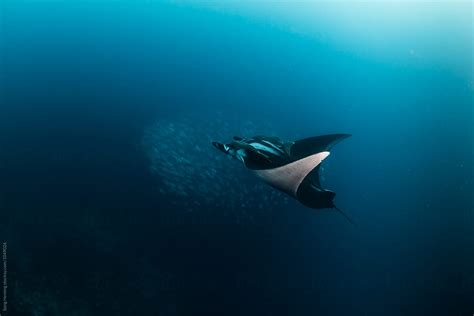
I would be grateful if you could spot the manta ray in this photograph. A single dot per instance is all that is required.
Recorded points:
(289, 166)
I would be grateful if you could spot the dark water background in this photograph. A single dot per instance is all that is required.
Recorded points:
(88, 233)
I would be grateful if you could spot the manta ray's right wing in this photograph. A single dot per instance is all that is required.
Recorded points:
(310, 192)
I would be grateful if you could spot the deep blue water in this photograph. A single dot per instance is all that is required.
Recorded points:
(96, 225)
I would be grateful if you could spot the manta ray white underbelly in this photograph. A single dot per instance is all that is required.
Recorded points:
(289, 177)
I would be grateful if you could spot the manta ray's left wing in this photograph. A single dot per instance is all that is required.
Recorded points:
(309, 146)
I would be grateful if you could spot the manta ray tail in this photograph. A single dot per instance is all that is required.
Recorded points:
(345, 215)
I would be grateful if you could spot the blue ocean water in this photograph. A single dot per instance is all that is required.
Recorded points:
(113, 201)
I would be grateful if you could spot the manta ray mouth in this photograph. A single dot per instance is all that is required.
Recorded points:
(289, 177)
